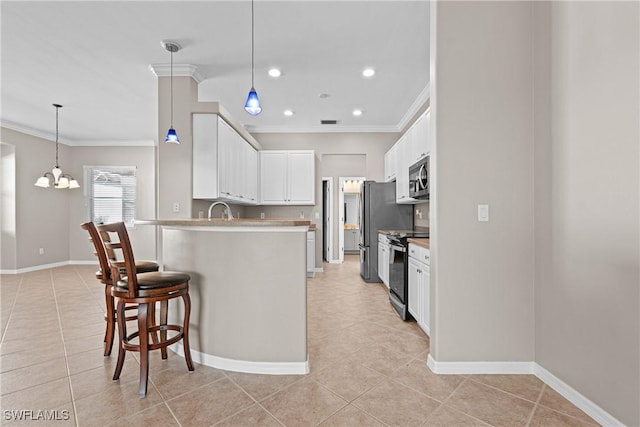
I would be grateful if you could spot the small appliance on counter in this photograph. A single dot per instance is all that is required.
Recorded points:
(399, 268)
(378, 211)
(419, 179)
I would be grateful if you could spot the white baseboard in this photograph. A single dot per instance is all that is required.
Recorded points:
(564, 389)
(573, 396)
(319, 270)
(83, 262)
(269, 368)
(451, 368)
(35, 268)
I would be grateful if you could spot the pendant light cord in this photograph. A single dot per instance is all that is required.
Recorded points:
(252, 42)
(171, 84)
(57, 108)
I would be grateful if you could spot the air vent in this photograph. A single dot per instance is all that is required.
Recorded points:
(328, 122)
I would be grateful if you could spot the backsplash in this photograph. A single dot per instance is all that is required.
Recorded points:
(421, 215)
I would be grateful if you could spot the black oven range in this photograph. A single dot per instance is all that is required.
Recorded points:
(398, 270)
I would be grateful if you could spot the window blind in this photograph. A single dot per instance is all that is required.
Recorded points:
(110, 193)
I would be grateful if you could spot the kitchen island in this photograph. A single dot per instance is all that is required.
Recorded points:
(248, 291)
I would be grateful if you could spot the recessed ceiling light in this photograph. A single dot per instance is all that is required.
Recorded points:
(323, 95)
(368, 72)
(288, 113)
(274, 72)
(357, 113)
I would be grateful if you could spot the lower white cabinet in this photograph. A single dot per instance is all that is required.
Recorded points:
(311, 253)
(351, 239)
(419, 286)
(383, 259)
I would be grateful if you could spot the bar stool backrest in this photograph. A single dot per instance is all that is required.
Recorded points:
(104, 275)
(124, 245)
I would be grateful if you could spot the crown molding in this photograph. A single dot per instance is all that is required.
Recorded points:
(74, 143)
(422, 98)
(323, 129)
(179, 70)
(34, 132)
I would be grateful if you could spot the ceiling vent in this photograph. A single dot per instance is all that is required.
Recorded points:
(328, 122)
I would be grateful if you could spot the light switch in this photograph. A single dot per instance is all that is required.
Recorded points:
(483, 213)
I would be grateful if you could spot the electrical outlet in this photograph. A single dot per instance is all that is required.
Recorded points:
(261, 215)
(176, 207)
(41, 251)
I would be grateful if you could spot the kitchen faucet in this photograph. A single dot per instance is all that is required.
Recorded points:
(229, 214)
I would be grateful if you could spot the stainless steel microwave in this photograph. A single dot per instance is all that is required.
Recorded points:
(419, 179)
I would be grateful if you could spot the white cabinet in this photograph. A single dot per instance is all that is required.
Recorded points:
(224, 164)
(419, 286)
(413, 146)
(351, 240)
(390, 164)
(311, 253)
(383, 259)
(402, 175)
(419, 144)
(287, 177)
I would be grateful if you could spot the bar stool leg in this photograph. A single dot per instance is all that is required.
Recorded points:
(185, 331)
(111, 321)
(164, 309)
(122, 332)
(143, 325)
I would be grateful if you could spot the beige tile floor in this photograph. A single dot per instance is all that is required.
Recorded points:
(368, 368)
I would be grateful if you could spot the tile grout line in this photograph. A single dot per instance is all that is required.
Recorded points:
(64, 347)
(252, 398)
(535, 406)
(15, 299)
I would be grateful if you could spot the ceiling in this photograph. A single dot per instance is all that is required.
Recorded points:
(94, 58)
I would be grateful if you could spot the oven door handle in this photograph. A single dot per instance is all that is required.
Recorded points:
(395, 248)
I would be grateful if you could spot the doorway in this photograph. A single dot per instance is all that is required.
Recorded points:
(327, 218)
(349, 214)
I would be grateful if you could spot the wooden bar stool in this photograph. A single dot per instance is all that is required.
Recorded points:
(145, 289)
(104, 276)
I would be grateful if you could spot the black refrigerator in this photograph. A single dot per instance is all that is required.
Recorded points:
(379, 211)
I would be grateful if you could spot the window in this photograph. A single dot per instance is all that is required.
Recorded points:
(110, 193)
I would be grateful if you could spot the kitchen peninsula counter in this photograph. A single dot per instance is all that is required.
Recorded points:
(248, 290)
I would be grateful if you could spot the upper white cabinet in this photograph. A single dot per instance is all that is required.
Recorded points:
(390, 164)
(402, 175)
(412, 146)
(287, 177)
(419, 144)
(224, 164)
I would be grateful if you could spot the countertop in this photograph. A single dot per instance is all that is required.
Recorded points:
(419, 241)
(394, 231)
(219, 222)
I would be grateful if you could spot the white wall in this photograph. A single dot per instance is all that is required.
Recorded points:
(143, 238)
(50, 218)
(587, 200)
(8, 207)
(365, 149)
(41, 214)
(481, 106)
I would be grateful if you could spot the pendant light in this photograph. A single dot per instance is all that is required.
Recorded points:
(252, 106)
(60, 179)
(172, 136)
